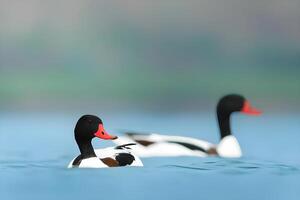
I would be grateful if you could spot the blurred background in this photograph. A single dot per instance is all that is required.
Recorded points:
(156, 66)
(160, 56)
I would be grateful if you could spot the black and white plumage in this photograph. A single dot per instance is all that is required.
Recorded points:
(89, 127)
(154, 144)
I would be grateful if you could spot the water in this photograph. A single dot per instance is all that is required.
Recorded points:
(36, 148)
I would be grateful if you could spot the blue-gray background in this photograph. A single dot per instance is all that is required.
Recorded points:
(154, 66)
(156, 55)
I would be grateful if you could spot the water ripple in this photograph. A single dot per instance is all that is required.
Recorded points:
(208, 165)
(24, 164)
(238, 166)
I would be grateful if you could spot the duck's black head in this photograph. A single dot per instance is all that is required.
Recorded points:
(230, 104)
(90, 126)
(235, 103)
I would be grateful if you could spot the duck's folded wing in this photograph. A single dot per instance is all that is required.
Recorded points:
(144, 139)
(147, 139)
(125, 146)
(113, 152)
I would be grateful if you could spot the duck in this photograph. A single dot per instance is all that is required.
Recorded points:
(89, 127)
(157, 145)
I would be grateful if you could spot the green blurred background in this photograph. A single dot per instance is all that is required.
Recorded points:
(158, 56)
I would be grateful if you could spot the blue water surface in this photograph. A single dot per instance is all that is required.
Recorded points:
(35, 149)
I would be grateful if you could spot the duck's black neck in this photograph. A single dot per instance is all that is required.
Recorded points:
(86, 149)
(224, 123)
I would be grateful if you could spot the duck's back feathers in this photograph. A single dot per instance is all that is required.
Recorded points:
(149, 145)
(115, 152)
(108, 157)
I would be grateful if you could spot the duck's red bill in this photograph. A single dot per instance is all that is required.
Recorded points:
(249, 110)
(101, 133)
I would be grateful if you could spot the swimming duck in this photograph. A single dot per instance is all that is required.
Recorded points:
(89, 127)
(150, 145)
